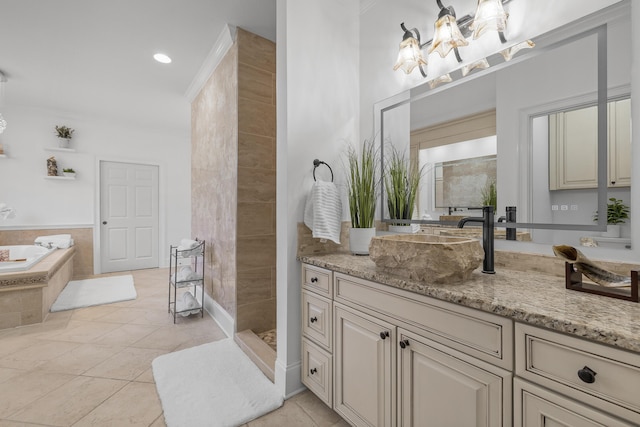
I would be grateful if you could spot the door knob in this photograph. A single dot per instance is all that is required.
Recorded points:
(404, 343)
(384, 334)
(104, 222)
(587, 375)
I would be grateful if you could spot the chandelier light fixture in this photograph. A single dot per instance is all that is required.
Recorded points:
(451, 33)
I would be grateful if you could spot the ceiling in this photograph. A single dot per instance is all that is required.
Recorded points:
(93, 58)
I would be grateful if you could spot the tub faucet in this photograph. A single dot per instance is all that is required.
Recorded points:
(487, 236)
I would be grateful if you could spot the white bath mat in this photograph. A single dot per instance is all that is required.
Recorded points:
(212, 385)
(90, 292)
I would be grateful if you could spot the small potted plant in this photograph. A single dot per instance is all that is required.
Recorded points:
(64, 134)
(617, 213)
(401, 182)
(69, 172)
(362, 186)
(489, 195)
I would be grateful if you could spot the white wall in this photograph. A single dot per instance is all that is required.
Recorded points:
(42, 203)
(317, 72)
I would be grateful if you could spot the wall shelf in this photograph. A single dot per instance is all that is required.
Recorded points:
(68, 178)
(66, 150)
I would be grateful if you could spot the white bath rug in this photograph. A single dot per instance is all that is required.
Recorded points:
(98, 291)
(212, 385)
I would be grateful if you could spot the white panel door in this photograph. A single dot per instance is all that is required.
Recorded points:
(128, 216)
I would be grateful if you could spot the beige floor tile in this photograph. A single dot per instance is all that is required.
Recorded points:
(12, 344)
(21, 390)
(80, 359)
(7, 373)
(84, 331)
(290, 415)
(321, 414)
(70, 402)
(146, 377)
(137, 404)
(126, 334)
(166, 338)
(159, 422)
(8, 423)
(35, 355)
(129, 364)
(140, 316)
(92, 313)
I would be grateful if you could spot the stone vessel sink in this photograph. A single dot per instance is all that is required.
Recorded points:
(426, 257)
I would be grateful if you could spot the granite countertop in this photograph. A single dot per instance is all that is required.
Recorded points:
(532, 298)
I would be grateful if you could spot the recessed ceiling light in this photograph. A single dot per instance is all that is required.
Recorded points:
(161, 57)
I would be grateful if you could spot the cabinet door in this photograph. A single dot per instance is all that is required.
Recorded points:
(538, 407)
(620, 143)
(440, 387)
(573, 149)
(364, 361)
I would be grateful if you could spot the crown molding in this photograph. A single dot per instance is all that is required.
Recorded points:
(222, 45)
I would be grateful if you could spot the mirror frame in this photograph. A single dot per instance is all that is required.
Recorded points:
(423, 90)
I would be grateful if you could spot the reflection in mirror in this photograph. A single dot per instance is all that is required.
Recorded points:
(542, 111)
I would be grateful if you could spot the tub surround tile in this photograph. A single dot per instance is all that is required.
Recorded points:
(534, 298)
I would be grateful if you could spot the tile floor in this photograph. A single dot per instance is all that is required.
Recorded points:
(92, 366)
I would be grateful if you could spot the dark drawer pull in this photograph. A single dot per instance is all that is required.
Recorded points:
(313, 371)
(404, 343)
(313, 319)
(587, 375)
(314, 279)
(384, 334)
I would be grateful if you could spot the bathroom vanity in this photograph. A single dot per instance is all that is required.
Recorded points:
(494, 350)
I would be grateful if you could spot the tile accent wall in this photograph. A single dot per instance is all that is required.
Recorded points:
(233, 155)
(82, 237)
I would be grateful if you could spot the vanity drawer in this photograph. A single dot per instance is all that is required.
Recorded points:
(483, 335)
(554, 360)
(317, 319)
(317, 371)
(317, 279)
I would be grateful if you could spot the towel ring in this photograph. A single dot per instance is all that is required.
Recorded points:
(317, 163)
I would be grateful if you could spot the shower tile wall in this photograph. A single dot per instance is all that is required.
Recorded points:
(234, 181)
(214, 175)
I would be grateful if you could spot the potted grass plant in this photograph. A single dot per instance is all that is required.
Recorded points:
(617, 213)
(362, 188)
(401, 182)
(489, 195)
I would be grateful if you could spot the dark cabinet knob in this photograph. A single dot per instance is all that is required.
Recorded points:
(384, 334)
(404, 343)
(587, 375)
(313, 371)
(104, 222)
(314, 279)
(313, 319)
(613, 183)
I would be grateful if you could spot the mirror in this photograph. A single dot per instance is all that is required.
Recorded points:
(559, 117)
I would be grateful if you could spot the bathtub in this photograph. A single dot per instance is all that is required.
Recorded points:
(30, 253)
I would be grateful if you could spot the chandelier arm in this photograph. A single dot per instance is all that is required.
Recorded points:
(502, 37)
(455, 50)
(422, 71)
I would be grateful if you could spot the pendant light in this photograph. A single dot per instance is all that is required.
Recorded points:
(447, 35)
(410, 54)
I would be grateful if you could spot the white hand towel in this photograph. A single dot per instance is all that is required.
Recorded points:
(62, 241)
(189, 248)
(323, 211)
(189, 302)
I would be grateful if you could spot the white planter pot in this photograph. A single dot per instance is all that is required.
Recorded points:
(69, 174)
(359, 239)
(411, 228)
(613, 230)
(64, 142)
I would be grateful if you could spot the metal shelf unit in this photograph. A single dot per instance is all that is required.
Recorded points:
(179, 285)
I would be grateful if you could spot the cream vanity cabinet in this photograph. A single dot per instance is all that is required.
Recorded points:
(403, 359)
(567, 381)
(573, 147)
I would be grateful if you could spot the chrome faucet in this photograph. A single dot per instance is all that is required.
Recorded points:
(487, 220)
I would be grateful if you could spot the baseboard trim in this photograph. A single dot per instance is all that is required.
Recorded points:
(219, 315)
(288, 378)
